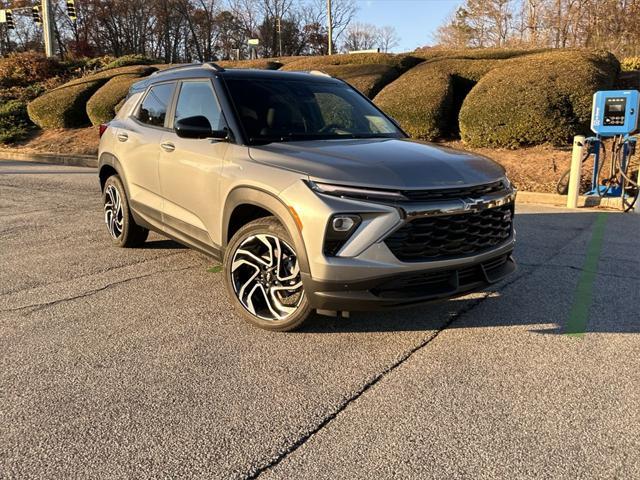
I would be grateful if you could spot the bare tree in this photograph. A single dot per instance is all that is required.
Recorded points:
(387, 38)
(360, 36)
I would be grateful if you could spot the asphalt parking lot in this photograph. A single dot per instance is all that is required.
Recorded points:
(131, 363)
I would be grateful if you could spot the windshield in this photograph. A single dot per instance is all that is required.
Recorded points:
(273, 110)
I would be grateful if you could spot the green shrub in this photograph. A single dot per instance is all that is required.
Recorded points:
(65, 106)
(101, 107)
(421, 100)
(630, 64)
(128, 60)
(23, 69)
(544, 98)
(258, 64)
(426, 100)
(14, 122)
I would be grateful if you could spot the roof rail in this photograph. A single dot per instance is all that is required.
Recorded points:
(319, 73)
(213, 66)
(210, 65)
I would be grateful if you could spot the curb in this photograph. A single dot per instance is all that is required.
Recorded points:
(561, 200)
(52, 158)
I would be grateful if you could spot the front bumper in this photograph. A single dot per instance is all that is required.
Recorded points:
(367, 275)
(409, 288)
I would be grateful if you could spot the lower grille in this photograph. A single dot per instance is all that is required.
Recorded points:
(442, 282)
(450, 236)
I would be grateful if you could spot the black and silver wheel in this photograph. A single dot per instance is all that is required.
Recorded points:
(262, 273)
(117, 216)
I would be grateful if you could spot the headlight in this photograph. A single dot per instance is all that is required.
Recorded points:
(356, 192)
(339, 229)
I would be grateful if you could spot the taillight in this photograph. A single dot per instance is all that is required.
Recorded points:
(103, 128)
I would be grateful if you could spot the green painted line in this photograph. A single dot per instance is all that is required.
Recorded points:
(215, 269)
(583, 298)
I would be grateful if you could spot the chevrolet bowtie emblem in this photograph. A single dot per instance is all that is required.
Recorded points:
(473, 203)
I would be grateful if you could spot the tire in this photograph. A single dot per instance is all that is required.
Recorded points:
(124, 231)
(268, 294)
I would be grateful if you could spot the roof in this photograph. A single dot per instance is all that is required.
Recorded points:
(200, 70)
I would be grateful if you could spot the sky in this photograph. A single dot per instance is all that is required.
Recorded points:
(415, 20)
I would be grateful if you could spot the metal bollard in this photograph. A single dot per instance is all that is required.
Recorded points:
(576, 171)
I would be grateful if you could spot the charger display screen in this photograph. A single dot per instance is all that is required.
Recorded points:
(614, 111)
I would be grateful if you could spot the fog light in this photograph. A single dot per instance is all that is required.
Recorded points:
(339, 230)
(343, 224)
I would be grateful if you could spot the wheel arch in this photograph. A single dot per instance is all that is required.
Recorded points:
(241, 200)
(109, 165)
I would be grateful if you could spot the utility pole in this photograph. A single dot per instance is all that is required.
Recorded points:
(279, 31)
(330, 26)
(47, 28)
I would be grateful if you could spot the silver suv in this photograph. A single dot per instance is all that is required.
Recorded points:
(312, 197)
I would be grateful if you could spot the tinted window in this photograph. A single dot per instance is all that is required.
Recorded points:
(198, 99)
(287, 110)
(153, 110)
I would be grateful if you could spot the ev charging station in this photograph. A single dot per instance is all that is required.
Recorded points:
(615, 118)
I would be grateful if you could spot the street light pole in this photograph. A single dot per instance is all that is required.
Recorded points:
(47, 28)
(330, 26)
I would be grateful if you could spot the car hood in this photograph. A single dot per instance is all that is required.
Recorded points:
(381, 162)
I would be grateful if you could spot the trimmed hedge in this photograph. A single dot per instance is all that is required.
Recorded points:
(14, 122)
(128, 60)
(426, 100)
(630, 64)
(259, 64)
(544, 98)
(420, 100)
(368, 72)
(369, 79)
(475, 53)
(65, 106)
(101, 107)
(403, 62)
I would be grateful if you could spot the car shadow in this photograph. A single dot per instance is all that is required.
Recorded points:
(162, 244)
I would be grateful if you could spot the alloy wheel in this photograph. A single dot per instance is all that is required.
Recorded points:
(266, 277)
(113, 213)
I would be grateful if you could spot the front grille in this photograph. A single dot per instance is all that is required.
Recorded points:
(449, 236)
(454, 193)
(442, 282)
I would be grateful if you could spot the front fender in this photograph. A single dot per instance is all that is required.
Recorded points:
(253, 196)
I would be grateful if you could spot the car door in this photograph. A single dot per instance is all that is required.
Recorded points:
(190, 168)
(139, 138)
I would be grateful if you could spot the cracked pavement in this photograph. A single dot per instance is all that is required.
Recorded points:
(131, 363)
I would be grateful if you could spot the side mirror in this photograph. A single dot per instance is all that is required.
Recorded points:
(198, 127)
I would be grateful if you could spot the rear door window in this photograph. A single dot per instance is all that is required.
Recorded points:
(153, 110)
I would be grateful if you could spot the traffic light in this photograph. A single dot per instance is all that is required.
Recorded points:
(71, 10)
(35, 14)
(278, 25)
(6, 16)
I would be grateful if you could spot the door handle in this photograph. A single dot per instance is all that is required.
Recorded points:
(123, 137)
(168, 146)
